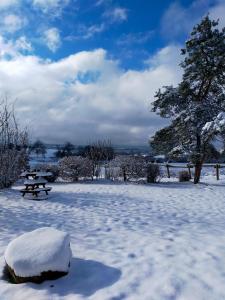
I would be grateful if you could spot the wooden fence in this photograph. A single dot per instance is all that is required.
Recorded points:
(168, 166)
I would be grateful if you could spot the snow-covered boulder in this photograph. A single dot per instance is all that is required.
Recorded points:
(42, 254)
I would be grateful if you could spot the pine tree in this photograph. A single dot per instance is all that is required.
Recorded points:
(196, 106)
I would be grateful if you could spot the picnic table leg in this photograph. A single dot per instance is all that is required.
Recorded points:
(168, 170)
(217, 172)
(189, 170)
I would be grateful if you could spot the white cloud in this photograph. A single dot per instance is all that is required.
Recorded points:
(89, 32)
(12, 49)
(166, 57)
(52, 38)
(116, 14)
(134, 38)
(179, 20)
(23, 44)
(7, 3)
(218, 12)
(59, 106)
(54, 7)
(7, 49)
(101, 2)
(12, 23)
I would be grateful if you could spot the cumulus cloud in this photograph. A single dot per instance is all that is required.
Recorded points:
(179, 20)
(52, 38)
(54, 7)
(218, 12)
(23, 44)
(54, 101)
(87, 32)
(12, 49)
(7, 3)
(101, 2)
(7, 49)
(12, 23)
(116, 14)
(134, 38)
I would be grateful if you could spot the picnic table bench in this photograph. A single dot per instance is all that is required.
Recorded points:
(36, 183)
(35, 191)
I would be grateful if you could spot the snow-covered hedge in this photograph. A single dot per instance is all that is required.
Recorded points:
(54, 169)
(126, 167)
(153, 173)
(73, 168)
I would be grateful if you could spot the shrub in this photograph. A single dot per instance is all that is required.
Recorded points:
(127, 167)
(13, 146)
(153, 173)
(112, 171)
(75, 167)
(54, 169)
(184, 176)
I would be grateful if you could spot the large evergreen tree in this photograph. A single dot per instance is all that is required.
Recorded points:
(197, 104)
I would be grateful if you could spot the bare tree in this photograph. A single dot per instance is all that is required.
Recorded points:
(99, 153)
(13, 146)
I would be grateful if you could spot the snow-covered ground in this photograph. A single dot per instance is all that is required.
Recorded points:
(129, 241)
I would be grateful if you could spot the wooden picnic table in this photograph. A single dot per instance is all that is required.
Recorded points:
(28, 174)
(33, 186)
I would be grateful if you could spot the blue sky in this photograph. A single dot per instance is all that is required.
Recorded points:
(129, 30)
(88, 69)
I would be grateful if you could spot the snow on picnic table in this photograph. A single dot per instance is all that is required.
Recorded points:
(129, 241)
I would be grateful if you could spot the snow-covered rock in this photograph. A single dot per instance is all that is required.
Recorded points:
(39, 255)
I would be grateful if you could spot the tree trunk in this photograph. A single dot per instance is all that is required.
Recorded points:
(124, 174)
(198, 169)
(198, 164)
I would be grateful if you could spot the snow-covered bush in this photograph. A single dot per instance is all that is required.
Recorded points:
(74, 167)
(13, 147)
(184, 176)
(112, 170)
(153, 173)
(54, 169)
(127, 167)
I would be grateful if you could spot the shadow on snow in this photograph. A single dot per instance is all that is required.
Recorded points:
(85, 278)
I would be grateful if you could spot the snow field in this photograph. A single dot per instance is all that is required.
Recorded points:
(129, 241)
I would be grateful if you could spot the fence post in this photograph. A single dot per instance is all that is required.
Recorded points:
(189, 170)
(168, 170)
(217, 166)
